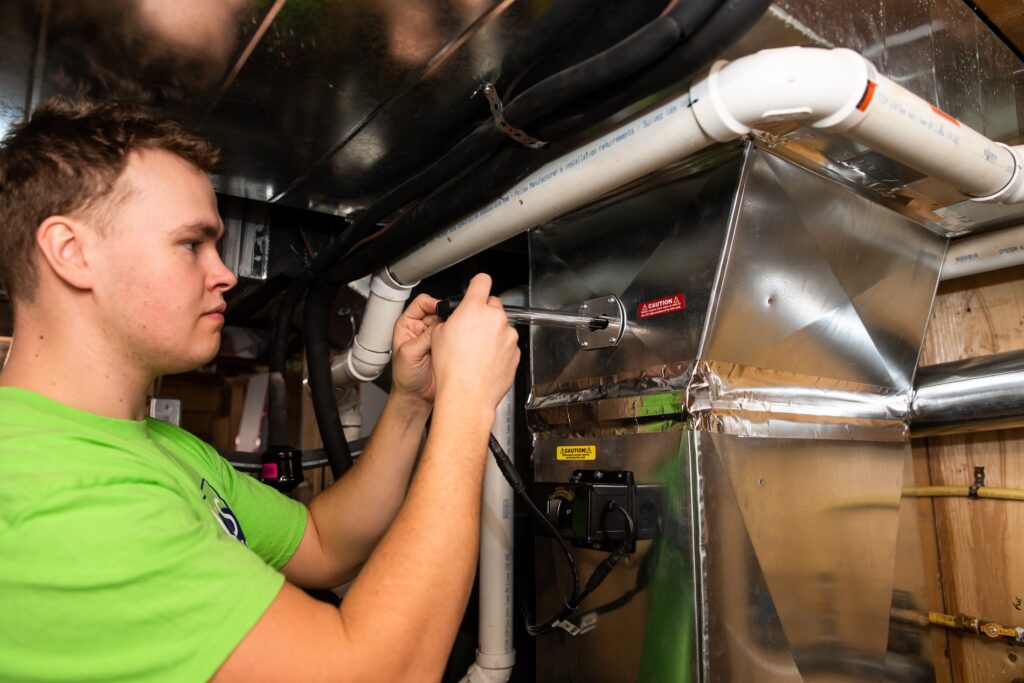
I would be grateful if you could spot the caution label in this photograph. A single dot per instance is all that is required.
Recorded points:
(576, 452)
(668, 304)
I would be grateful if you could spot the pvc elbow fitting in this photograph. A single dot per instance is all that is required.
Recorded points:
(818, 85)
(371, 349)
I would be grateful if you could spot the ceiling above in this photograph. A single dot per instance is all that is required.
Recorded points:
(318, 104)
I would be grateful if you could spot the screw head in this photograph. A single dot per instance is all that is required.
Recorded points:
(599, 475)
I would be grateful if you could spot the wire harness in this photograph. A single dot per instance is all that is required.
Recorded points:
(562, 619)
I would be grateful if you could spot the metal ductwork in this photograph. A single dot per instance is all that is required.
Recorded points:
(774, 405)
(975, 395)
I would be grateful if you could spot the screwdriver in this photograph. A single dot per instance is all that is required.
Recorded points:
(518, 315)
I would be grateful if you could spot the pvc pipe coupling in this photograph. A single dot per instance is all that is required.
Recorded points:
(490, 668)
(371, 349)
(1013, 192)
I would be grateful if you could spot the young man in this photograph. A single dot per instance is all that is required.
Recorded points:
(129, 550)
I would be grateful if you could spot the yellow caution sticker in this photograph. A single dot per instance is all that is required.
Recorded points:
(576, 452)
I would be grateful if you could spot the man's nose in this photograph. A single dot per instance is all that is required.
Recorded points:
(221, 277)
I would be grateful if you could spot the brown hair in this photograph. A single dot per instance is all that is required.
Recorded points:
(66, 160)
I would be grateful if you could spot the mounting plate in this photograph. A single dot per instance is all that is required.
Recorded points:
(610, 308)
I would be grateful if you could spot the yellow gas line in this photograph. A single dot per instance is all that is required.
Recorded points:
(963, 492)
(968, 624)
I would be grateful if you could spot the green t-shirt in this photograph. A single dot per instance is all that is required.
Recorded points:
(128, 550)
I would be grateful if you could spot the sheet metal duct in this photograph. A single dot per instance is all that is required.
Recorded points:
(975, 395)
(773, 407)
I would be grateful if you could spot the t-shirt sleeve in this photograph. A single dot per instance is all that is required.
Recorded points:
(124, 582)
(273, 523)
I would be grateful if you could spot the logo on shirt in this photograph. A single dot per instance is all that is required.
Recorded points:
(221, 512)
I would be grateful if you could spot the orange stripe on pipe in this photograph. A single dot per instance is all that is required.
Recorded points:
(869, 92)
(945, 115)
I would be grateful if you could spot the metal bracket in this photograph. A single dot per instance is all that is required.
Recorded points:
(498, 112)
(979, 481)
(611, 309)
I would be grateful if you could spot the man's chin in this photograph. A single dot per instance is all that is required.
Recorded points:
(195, 362)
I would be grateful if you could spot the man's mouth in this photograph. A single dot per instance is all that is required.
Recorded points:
(216, 313)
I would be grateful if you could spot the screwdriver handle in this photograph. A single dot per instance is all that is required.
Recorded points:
(445, 307)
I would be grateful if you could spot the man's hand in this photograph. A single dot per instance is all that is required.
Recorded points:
(411, 368)
(475, 352)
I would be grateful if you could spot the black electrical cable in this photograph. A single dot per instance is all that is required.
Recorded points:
(318, 359)
(508, 470)
(729, 22)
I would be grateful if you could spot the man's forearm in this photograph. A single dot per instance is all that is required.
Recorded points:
(353, 514)
(422, 571)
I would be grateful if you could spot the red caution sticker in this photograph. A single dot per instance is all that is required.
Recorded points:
(668, 304)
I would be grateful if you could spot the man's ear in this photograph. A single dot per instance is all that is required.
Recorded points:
(61, 241)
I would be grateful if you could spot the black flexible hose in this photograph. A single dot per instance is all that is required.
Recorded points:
(318, 359)
(729, 23)
(510, 164)
(618, 62)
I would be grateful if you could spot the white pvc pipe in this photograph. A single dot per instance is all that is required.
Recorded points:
(839, 90)
(642, 146)
(984, 252)
(495, 654)
(371, 349)
(836, 90)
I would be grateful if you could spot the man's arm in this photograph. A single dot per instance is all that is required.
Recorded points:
(399, 618)
(347, 520)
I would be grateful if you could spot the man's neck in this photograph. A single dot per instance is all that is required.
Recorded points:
(74, 369)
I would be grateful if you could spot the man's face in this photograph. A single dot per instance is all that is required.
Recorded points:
(159, 282)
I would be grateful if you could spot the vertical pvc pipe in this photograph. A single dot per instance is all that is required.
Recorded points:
(495, 650)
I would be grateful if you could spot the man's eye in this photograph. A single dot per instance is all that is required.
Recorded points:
(191, 246)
